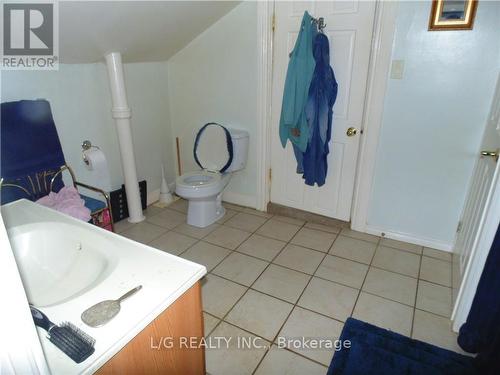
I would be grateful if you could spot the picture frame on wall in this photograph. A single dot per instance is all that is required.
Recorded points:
(452, 15)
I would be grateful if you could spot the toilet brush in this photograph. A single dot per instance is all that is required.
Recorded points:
(165, 196)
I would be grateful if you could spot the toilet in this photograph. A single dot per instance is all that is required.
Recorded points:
(219, 152)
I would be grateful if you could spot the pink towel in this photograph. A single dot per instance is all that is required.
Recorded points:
(68, 201)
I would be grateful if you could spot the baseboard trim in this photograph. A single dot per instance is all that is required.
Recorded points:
(240, 199)
(278, 209)
(406, 237)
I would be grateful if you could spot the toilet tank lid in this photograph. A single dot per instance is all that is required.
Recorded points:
(213, 147)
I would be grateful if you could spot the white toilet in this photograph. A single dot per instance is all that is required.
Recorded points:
(219, 152)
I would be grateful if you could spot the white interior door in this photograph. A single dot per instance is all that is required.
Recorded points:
(349, 28)
(481, 185)
(469, 244)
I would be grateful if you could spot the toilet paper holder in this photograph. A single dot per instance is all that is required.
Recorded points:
(87, 145)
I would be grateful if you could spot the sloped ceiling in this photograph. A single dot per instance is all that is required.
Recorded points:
(140, 30)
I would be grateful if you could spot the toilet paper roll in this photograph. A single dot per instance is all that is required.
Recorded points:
(95, 161)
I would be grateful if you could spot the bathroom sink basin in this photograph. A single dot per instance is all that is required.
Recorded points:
(68, 265)
(58, 261)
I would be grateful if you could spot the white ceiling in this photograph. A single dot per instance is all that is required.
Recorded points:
(140, 30)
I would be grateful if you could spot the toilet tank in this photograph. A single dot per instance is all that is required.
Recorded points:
(240, 140)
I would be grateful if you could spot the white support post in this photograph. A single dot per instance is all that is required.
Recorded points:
(122, 114)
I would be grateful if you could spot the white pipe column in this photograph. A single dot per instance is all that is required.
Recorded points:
(122, 114)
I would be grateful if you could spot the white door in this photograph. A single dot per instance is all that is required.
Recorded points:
(479, 199)
(349, 29)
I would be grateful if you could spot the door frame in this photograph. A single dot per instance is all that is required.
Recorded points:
(378, 73)
(265, 16)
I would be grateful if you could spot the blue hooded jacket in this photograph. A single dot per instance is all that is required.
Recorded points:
(322, 95)
(293, 121)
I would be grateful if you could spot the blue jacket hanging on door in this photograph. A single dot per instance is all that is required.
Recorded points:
(293, 122)
(322, 95)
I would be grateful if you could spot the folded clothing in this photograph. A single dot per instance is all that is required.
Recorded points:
(67, 201)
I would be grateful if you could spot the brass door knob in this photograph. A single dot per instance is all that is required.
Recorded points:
(351, 132)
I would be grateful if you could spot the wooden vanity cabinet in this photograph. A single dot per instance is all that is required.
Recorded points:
(184, 318)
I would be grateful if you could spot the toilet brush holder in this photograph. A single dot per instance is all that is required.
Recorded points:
(166, 197)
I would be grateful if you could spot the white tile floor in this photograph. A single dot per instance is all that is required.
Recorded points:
(273, 276)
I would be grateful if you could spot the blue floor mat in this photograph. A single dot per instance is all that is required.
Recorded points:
(378, 351)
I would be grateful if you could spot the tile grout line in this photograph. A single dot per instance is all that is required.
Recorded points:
(289, 269)
(243, 230)
(451, 288)
(378, 244)
(416, 296)
(286, 301)
(330, 281)
(166, 230)
(304, 225)
(434, 282)
(231, 250)
(314, 311)
(173, 230)
(195, 238)
(294, 305)
(271, 344)
(311, 276)
(247, 287)
(366, 275)
(205, 334)
(286, 319)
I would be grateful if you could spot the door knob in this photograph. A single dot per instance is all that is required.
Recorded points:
(493, 154)
(351, 132)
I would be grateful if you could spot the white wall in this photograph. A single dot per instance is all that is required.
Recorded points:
(80, 99)
(433, 123)
(214, 78)
(147, 90)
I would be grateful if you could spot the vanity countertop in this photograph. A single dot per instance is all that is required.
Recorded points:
(163, 276)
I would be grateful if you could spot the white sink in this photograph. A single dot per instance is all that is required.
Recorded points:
(58, 262)
(68, 265)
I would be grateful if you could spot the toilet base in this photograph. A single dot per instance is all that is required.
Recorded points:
(205, 212)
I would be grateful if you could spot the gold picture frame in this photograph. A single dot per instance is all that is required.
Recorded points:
(452, 15)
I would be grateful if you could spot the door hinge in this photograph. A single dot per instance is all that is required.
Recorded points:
(273, 22)
(270, 174)
(459, 226)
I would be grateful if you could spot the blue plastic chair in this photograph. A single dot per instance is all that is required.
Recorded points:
(32, 161)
